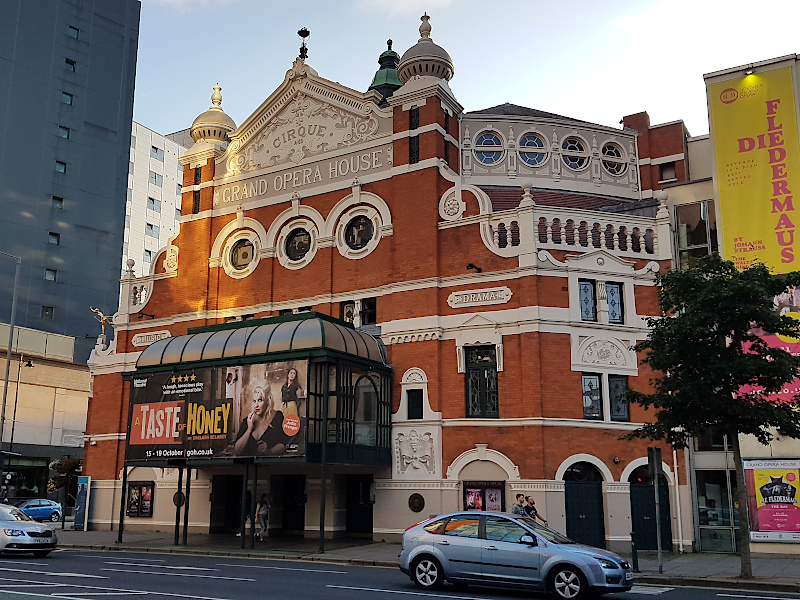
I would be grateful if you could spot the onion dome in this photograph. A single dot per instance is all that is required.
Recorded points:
(425, 58)
(214, 124)
(385, 81)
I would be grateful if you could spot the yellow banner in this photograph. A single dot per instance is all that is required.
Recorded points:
(758, 168)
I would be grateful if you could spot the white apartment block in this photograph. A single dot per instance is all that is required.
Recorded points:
(152, 213)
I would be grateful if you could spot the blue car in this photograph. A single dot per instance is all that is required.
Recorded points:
(506, 550)
(40, 509)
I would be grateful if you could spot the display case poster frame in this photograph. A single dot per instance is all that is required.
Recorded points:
(139, 501)
(773, 506)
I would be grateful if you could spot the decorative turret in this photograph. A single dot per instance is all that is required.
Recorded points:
(213, 125)
(425, 58)
(386, 81)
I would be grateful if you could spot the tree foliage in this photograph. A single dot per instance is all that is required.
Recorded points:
(707, 346)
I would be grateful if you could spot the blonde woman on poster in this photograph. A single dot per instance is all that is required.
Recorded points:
(261, 432)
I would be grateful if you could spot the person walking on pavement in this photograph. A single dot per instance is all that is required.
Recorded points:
(519, 505)
(530, 510)
(263, 517)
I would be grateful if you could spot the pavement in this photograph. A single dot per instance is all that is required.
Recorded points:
(774, 573)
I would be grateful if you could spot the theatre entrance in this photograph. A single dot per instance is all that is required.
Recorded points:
(226, 503)
(359, 506)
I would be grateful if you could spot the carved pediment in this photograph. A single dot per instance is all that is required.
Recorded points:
(305, 117)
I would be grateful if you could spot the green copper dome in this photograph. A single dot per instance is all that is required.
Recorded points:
(386, 81)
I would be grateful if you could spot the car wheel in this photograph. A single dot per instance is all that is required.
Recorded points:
(55, 517)
(41, 553)
(427, 573)
(568, 582)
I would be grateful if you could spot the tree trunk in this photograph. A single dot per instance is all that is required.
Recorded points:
(743, 533)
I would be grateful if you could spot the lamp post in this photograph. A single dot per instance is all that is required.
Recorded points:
(28, 363)
(8, 361)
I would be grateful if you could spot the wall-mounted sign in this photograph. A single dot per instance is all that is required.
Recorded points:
(499, 295)
(145, 339)
(219, 412)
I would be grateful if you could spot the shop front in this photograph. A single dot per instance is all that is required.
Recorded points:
(268, 409)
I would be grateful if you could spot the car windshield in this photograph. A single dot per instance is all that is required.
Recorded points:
(9, 513)
(548, 534)
(19, 502)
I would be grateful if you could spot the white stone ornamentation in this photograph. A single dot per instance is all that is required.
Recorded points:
(414, 452)
(603, 352)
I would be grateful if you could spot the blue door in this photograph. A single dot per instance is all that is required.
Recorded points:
(505, 557)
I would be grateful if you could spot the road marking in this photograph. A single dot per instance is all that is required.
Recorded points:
(127, 564)
(106, 589)
(53, 574)
(126, 593)
(104, 555)
(363, 589)
(177, 574)
(758, 597)
(32, 595)
(282, 568)
(649, 591)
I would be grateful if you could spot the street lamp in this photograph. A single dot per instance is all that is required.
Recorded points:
(28, 363)
(8, 361)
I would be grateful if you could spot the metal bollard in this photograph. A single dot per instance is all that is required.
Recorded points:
(634, 553)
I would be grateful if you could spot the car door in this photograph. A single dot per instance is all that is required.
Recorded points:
(460, 545)
(505, 557)
(38, 508)
(29, 508)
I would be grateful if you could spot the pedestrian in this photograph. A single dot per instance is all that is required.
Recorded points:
(530, 510)
(519, 505)
(263, 517)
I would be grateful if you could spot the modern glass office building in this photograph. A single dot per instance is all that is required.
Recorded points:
(66, 108)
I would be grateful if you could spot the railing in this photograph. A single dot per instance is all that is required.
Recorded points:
(514, 232)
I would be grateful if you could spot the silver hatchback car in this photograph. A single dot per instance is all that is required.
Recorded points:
(21, 534)
(501, 549)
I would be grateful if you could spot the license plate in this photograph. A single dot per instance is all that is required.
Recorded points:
(628, 576)
(41, 540)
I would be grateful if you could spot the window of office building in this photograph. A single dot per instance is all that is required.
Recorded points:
(666, 172)
(66, 98)
(156, 179)
(148, 256)
(50, 275)
(151, 230)
(157, 153)
(61, 167)
(481, 382)
(54, 238)
(696, 233)
(47, 312)
(69, 64)
(154, 204)
(73, 32)
(63, 132)
(57, 202)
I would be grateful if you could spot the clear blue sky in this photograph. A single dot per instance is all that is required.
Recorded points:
(594, 61)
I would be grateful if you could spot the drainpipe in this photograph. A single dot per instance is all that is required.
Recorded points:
(678, 501)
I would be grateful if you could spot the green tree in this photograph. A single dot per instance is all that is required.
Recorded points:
(705, 348)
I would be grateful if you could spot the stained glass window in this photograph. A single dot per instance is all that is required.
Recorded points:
(588, 300)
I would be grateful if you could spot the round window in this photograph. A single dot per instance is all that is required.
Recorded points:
(298, 243)
(532, 150)
(359, 232)
(489, 148)
(575, 155)
(614, 159)
(242, 254)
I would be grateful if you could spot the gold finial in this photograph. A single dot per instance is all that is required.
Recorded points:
(102, 318)
(216, 97)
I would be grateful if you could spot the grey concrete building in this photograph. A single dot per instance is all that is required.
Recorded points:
(66, 108)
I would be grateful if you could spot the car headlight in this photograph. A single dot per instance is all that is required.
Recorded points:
(13, 532)
(606, 564)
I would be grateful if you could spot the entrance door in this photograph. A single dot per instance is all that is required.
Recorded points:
(294, 504)
(643, 510)
(583, 491)
(226, 503)
(359, 506)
